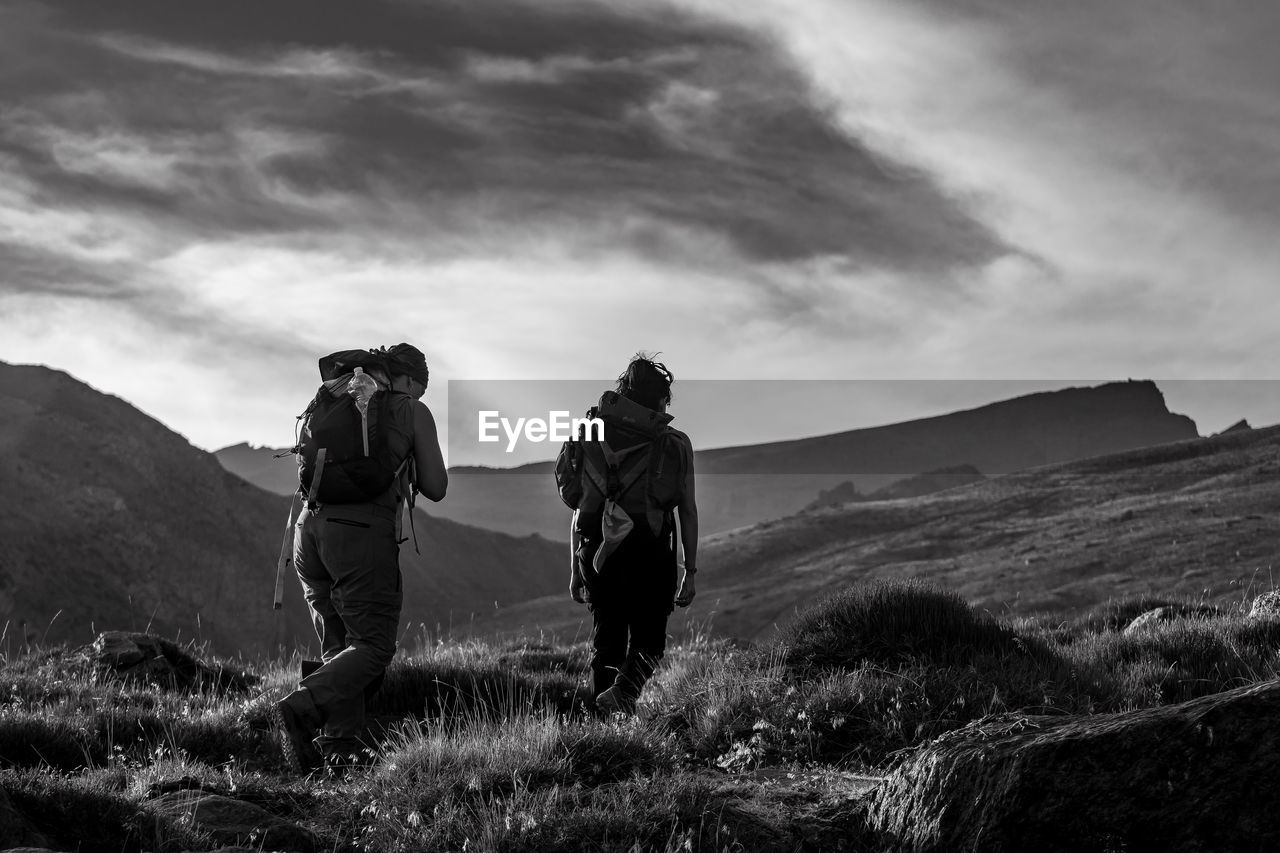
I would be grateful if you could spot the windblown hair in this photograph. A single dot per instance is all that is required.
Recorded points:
(646, 381)
(407, 360)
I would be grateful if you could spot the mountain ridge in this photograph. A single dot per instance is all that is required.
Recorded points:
(745, 484)
(114, 520)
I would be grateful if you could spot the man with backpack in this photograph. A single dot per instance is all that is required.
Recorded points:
(366, 445)
(626, 492)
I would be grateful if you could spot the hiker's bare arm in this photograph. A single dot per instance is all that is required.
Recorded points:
(577, 587)
(688, 513)
(433, 479)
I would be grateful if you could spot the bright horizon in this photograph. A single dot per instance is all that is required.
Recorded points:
(718, 415)
(799, 190)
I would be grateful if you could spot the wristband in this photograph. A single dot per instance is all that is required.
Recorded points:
(690, 570)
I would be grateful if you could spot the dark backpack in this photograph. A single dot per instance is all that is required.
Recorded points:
(332, 424)
(646, 478)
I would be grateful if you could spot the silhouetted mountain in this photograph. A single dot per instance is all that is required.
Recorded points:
(743, 485)
(112, 520)
(1194, 518)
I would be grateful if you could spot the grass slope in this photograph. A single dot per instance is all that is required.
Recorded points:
(1194, 518)
(486, 747)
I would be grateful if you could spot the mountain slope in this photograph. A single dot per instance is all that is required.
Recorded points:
(1198, 518)
(743, 485)
(111, 520)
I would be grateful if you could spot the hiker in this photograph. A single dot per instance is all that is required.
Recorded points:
(347, 536)
(626, 491)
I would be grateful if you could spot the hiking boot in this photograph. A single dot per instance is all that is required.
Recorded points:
(295, 738)
(613, 701)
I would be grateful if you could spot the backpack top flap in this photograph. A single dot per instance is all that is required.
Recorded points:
(336, 364)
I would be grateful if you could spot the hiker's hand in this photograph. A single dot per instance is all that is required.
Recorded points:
(579, 592)
(687, 592)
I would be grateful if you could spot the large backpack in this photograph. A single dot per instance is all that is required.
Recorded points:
(645, 479)
(331, 436)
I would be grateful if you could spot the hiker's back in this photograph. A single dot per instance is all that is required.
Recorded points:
(346, 456)
(640, 464)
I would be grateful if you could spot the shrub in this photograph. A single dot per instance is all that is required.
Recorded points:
(889, 624)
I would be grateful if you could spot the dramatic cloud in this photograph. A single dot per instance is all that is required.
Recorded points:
(787, 189)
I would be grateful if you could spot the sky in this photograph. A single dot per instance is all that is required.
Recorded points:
(199, 199)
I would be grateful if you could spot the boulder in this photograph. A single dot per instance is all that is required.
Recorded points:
(1196, 776)
(1169, 613)
(1266, 606)
(233, 822)
(148, 659)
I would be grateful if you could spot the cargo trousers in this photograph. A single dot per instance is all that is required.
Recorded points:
(348, 561)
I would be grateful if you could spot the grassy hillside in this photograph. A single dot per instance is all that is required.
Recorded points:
(486, 747)
(1198, 518)
(112, 519)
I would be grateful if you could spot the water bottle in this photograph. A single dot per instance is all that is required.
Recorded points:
(362, 387)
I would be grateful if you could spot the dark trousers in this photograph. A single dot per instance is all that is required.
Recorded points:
(631, 600)
(626, 646)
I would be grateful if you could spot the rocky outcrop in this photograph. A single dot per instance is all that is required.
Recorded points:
(1170, 613)
(229, 821)
(1197, 776)
(148, 659)
(1266, 606)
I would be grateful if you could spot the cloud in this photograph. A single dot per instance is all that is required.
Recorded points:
(1101, 144)
(484, 118)
(804, 188)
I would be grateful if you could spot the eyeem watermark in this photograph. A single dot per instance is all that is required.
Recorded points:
(558, 426)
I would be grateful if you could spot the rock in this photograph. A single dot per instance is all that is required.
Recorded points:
(15, 831)
(148, 659)
(842, 493)
(233, 822)
(1196, 776)
(1239, 426)
(1169, 613)
(1266, 606)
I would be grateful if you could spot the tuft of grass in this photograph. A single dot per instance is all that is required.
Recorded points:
(447, 691)
(1116, 614)
(1181, 660)
(440, 787)
(888, 624)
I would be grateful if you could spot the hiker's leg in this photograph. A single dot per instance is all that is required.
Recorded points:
(360, 551)
(316, 586)
(608, 646)
(648, 629)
